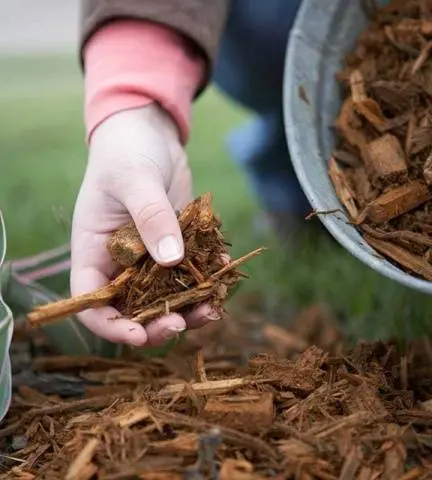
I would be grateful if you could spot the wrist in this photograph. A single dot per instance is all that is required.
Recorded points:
(130, 64)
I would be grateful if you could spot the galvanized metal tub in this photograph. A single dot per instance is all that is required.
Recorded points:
(323, 32)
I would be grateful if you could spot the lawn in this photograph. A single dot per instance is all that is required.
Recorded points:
(42, 156)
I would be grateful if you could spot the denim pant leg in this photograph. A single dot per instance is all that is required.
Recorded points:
(259, 149)
(249, 70)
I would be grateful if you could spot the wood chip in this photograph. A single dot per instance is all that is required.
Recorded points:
(403, 257)
(385, 157)
(395, 455)
(413, 474)
(351, 464)
(427, 170)
(396, 202)
(234, 469)
(186, 444)
(200, 371)
(365, 106)
(212, 387)
(349, 125)
(251, 416)
(79, 468)
(132, 416)
(343, 189)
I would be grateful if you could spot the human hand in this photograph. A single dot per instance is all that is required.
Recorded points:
(137, 169)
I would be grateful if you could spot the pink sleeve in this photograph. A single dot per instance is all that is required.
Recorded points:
(130, 63)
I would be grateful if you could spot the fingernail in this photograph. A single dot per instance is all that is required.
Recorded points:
(171, 332)
(169, 249)
(212, 316)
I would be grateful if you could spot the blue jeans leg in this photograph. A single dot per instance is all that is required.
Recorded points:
(259, 149)
(249, 70)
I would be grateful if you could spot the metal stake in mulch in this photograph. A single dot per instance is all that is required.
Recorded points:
(209, 443)
(6, 329)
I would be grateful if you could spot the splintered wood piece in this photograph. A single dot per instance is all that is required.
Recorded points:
(413, 474)
(198, 276)
(200, 371)
(399, 236)
(205, 212)
(236, 469)
(396, 202)
(409, 134)
(414, 25)
(421, 59)
(414, 263)
(349, 124)
(427, 170)
(352, 463)
(385, 157)
(132, 416)
(343, 190)
(365, 106)
(358, 91)
(236, 263)
(211, 387)
(89, 471)
(44, 314)
(395, 453)
(365, 473)
(125, 244)
(18, 474)
(175, 301)
(251, 416)
(295, 449)
(194, 295)
(81, 462)
(186, 444)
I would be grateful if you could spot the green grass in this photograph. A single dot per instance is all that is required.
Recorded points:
(42, 155)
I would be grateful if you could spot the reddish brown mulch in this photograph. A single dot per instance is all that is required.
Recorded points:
(382, 166)
(216, 409)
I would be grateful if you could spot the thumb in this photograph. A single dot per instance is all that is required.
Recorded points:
(155, 219)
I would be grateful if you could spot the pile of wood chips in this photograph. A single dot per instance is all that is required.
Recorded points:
(143, 290)
(382, 166)
(226, 404)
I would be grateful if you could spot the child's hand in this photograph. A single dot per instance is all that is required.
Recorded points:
(137, 168)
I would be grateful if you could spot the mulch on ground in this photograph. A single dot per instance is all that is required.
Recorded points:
(241, 399)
